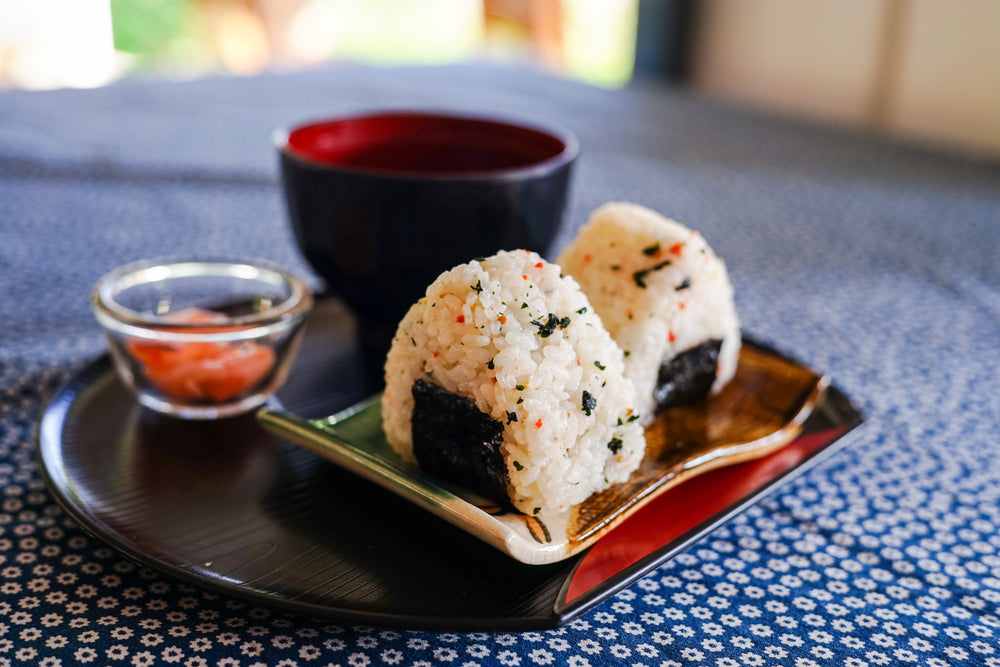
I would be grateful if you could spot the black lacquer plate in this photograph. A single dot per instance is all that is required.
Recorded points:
(227, 506)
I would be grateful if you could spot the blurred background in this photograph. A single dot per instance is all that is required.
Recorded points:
(923, 70)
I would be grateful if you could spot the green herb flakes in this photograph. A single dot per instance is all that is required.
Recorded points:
(640, 276)
(548, 327)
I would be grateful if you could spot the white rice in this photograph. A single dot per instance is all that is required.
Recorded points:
(491, 312)
(680, 297)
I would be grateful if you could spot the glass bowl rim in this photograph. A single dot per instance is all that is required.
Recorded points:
(112, 314)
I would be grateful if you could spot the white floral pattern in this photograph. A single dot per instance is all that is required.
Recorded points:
(873, 262)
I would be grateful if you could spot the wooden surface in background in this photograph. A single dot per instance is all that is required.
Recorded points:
(919, 69)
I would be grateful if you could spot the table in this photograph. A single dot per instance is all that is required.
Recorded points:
(872, 260)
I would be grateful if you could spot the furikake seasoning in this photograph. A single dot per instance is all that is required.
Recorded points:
(640, 276)
(546, 328)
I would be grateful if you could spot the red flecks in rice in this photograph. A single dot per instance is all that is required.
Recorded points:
(462, 361)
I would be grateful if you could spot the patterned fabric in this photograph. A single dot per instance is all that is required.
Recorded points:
(873, 261)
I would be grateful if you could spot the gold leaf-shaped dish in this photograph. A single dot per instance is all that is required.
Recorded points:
(759, 411)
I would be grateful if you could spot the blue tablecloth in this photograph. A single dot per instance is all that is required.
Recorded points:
(873, 261)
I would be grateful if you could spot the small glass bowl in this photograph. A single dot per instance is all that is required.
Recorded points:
(202, 338)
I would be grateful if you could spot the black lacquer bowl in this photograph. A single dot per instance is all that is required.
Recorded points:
(381, 203)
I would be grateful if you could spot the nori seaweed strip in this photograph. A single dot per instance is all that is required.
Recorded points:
(687, 377)
(454, 440)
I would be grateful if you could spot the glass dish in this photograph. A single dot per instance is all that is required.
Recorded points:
(201, 338)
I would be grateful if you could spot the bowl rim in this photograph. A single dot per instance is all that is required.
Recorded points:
(571, 146)
(115, 316)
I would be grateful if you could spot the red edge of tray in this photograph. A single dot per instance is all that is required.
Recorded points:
(684, 508)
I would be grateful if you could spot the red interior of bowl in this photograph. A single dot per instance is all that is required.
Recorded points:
(407, 143)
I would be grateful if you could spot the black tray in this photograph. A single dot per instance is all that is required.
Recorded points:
(229, 507)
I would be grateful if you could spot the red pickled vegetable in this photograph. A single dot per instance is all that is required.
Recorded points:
(203, 371)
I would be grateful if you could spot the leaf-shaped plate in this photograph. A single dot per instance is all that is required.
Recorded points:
(759, 411)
